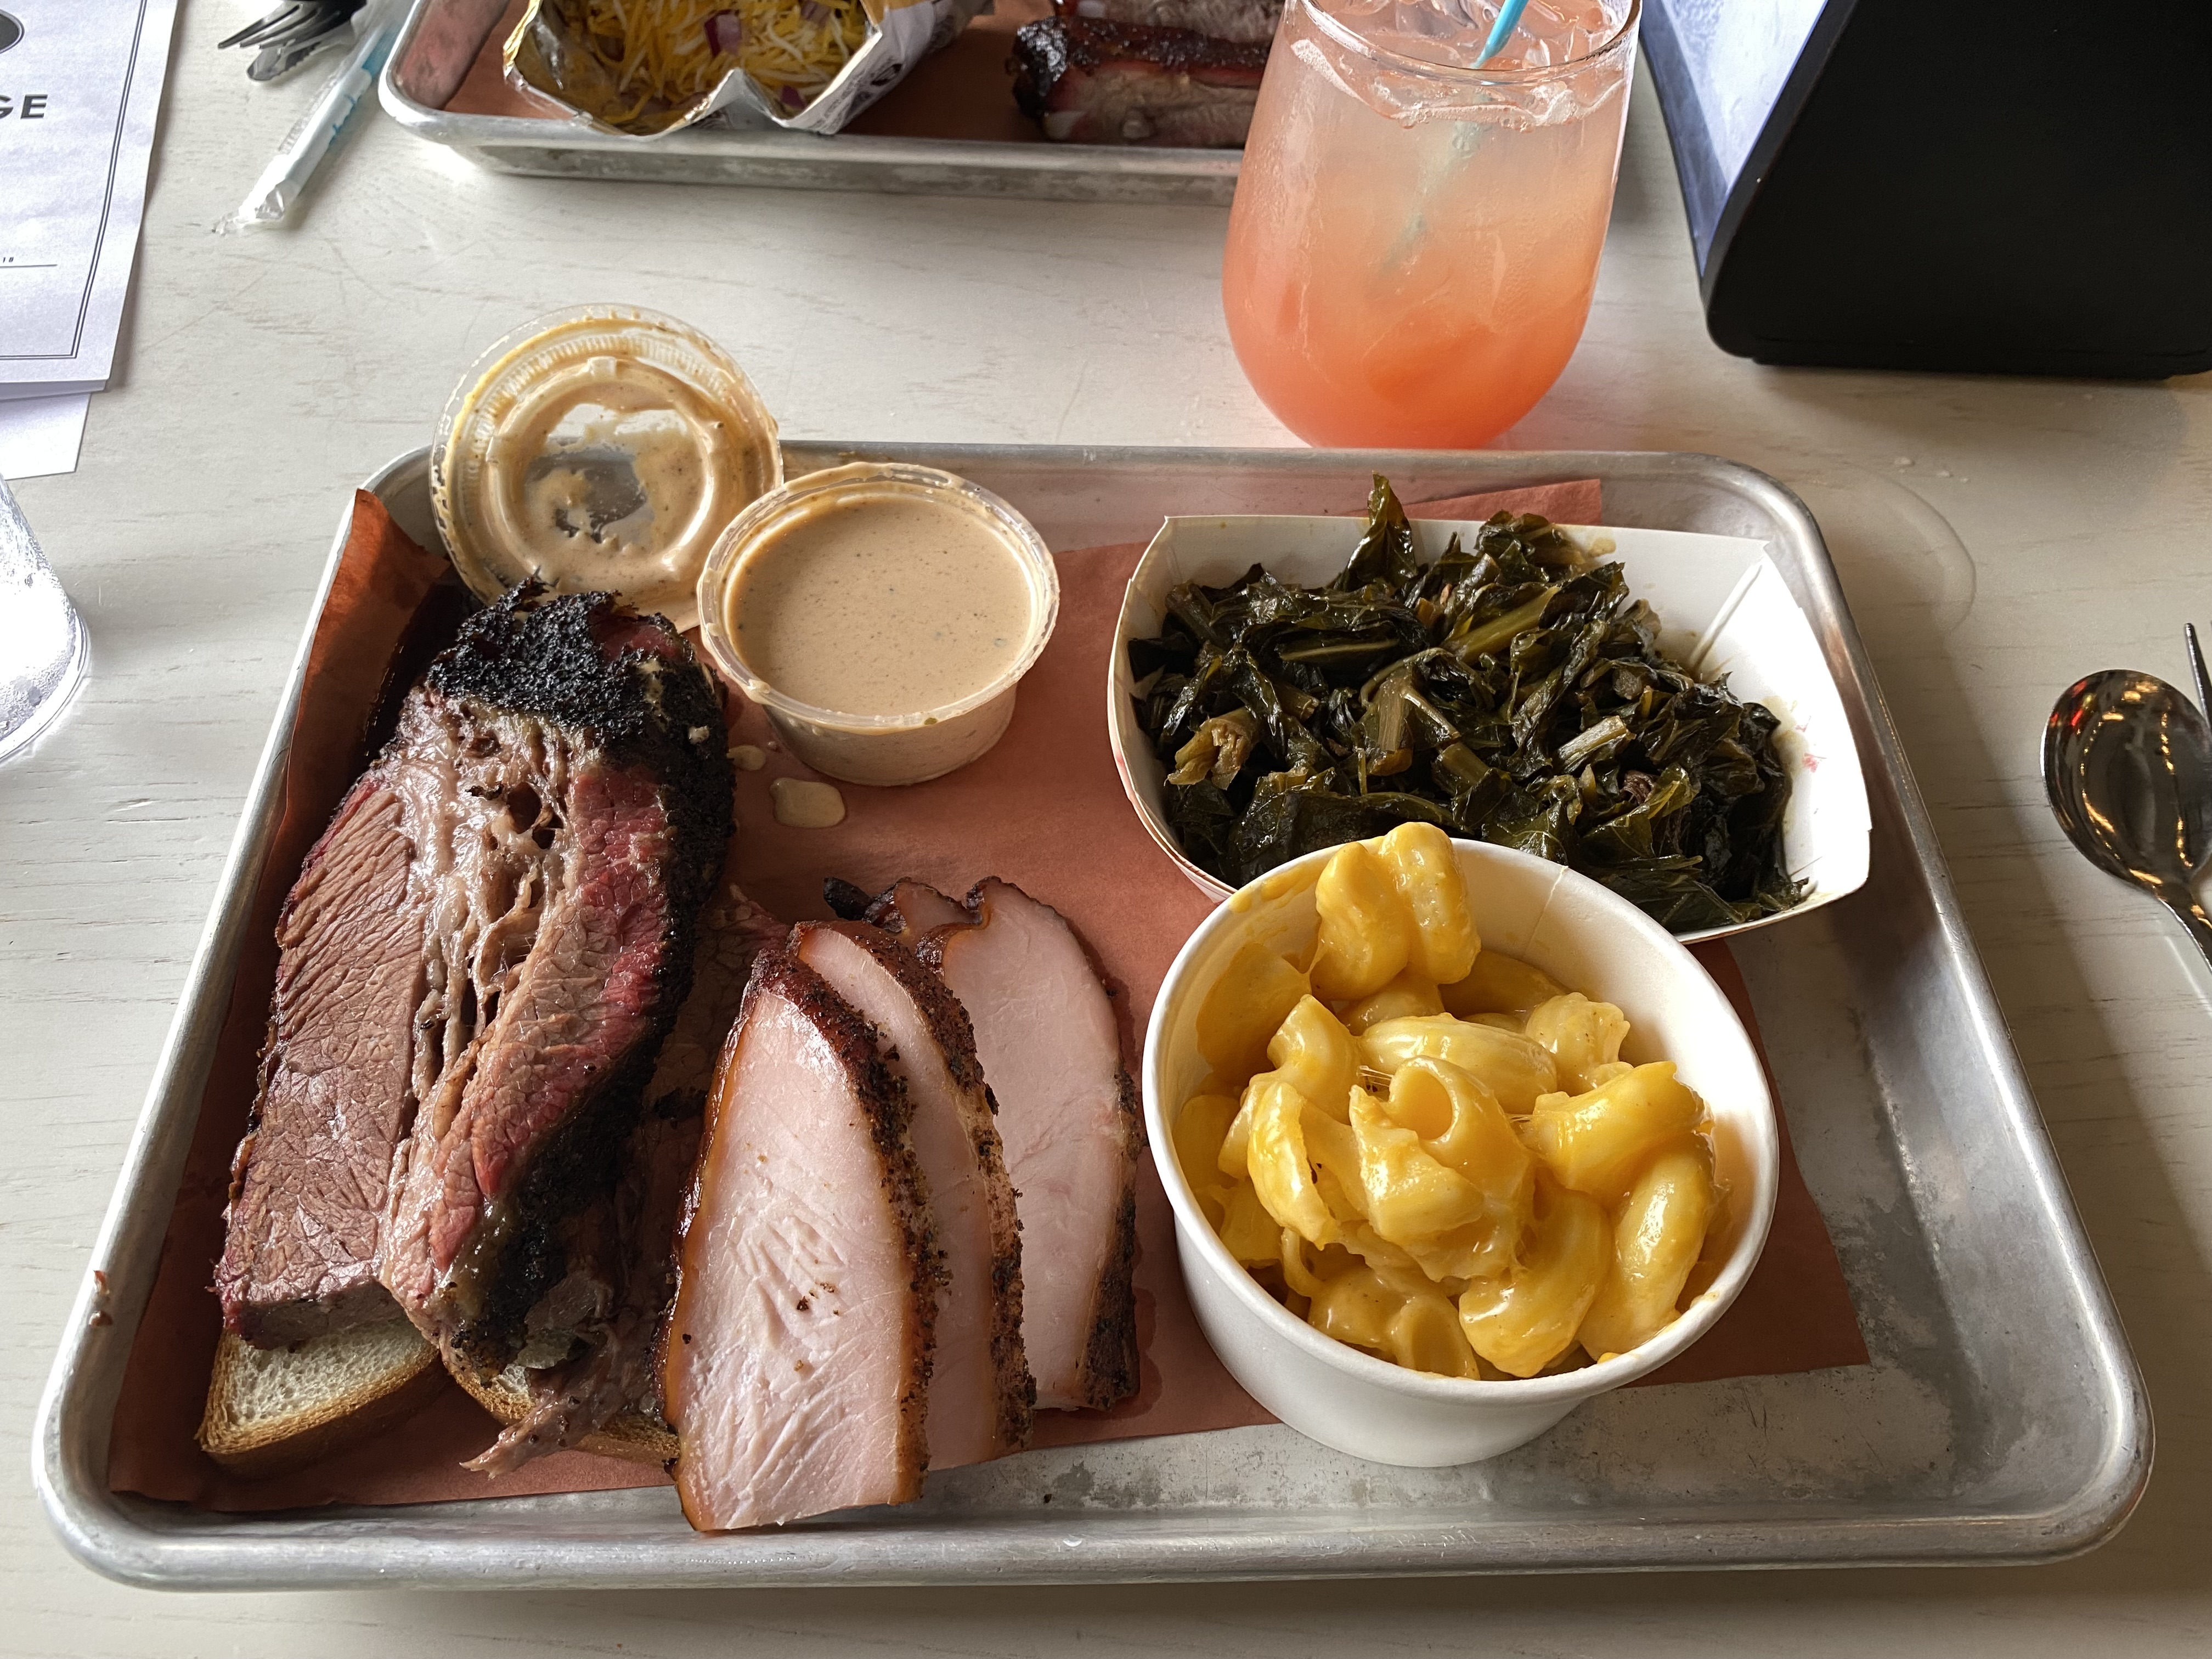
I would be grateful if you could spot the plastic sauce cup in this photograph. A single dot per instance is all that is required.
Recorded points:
(905, 747)
(601, 448)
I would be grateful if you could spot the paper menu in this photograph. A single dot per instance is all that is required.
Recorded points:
(80, 93)
(40, 436)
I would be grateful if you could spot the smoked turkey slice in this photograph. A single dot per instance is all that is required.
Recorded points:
(1046, 1032)
(979, 1384)
(795, 1365)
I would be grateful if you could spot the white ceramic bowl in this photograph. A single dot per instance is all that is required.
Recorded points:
(1589, 939)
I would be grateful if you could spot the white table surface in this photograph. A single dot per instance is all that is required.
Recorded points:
(1997, 538)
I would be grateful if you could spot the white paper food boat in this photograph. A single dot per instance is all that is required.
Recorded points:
(1723, 610)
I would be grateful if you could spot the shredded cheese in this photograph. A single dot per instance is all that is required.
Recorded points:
(665, 53)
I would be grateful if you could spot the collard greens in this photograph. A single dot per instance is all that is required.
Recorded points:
(1510, 691)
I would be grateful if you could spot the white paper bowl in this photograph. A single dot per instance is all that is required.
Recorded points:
(1589, 939)
(1723, 607)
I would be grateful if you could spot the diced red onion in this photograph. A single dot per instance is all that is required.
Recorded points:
(813, 11)
(725, 32)
(791, 98)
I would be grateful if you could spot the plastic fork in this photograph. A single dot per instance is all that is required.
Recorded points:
(291, 34)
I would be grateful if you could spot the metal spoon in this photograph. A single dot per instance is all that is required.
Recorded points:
(2127, 762)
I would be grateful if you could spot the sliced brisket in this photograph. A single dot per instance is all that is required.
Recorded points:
(565, 789)
(475, 965)
(308, 1184)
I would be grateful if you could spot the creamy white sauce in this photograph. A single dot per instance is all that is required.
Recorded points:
(805, 804)
(881, 603)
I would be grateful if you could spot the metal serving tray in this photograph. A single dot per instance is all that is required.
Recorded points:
(2002, 1419)
(440, 40)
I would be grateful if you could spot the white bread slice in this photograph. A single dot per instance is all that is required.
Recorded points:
(633, 1437)
(273, 1409)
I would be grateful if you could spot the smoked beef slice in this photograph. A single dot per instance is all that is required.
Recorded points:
(307, 1185)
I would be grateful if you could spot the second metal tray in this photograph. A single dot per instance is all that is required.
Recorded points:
(441, 38)
(2002, 1417)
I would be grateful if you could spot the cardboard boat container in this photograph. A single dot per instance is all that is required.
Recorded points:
(1724, 610)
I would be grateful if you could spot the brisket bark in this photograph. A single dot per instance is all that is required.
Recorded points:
(568, 792)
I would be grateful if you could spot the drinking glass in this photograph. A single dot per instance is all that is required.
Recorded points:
(1414, 240)
(42, 644)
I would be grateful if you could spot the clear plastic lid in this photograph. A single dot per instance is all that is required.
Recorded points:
(602, 449)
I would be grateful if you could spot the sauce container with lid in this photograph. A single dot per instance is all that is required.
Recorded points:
(599, 449)
(882, 614)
